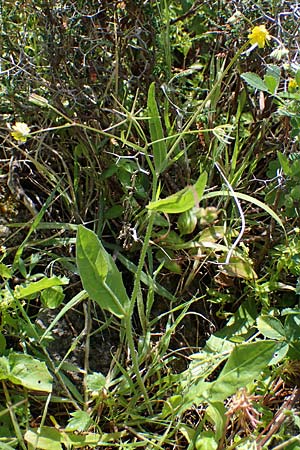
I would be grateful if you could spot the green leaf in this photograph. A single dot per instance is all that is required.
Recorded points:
(99, 274)
(37, 286)
(5, 272)
(156, 132)
(95, 381)
(297, 77)
(272, 78)
(183, 200)
(48, 438)
(206, 441)
(2, 343)
(255, 81)
(52, 297)
(245, 364)
(26, 371)
(284, 163)
(292, 327)
(216, 412)
(4, 368)
(239, 267)
(270, 327)
(271, 83)
(80, 421)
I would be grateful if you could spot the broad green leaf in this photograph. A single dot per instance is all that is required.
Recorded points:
(206, 441)
(297, 77)
(272, 78)
(29, 372)
(183, 200)
(271, 83)
(99, 274)
(156, 132)
(281, 352)
(37, 286)
(52, 297)
(270, 327)
(48, 438)
(255, 81)
(292, 327)
(274, 71)
(80, 421)
(245, 364)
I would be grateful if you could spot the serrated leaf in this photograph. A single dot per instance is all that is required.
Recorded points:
(99, 274)
(156, 132)
(80, 421)
(95, 381)
(183, 200)
(37, 286)
(255, 81)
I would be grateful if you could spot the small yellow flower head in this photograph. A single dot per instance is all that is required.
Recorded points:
(292, 85)
(20, 131)
(259, 36)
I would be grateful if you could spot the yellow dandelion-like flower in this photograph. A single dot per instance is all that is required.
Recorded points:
(292, 85)
(20, 131)
(259, 36)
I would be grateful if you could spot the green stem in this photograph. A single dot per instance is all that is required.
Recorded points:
(13, 417)
(208, 97)
(129, 313)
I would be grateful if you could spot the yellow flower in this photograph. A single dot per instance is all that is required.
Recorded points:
(259, 36)
(292, 85)
(20, 131)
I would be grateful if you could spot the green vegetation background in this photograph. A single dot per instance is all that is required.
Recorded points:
(150, 244)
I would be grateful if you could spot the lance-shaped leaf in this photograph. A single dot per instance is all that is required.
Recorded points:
(99, 274)
(245, 364)
(183, 200)
(159, 146)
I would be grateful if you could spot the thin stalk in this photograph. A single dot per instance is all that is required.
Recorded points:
(13, 417)
(208, 97)
(135, 291)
